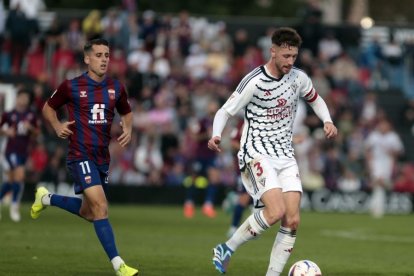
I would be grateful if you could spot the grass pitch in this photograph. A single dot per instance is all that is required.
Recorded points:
(159, 241)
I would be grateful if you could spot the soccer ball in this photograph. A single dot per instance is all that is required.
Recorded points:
(305, 268)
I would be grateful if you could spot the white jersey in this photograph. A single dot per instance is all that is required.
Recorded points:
(270, 106)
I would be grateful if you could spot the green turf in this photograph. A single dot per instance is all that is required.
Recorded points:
(161, 242)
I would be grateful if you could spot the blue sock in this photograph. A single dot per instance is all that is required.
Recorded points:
(70, 204)
(104, 232)
(16, 188)
(190, 193)
(5, 188)
(211, 193)
(237, 215)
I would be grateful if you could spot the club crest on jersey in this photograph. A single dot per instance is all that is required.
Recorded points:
(111, 93)
(294, 86)
(88, 179)
(83, 94)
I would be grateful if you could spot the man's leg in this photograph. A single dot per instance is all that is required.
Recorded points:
(43, 199)
(285, 238)
(252, 227)
(98, 205)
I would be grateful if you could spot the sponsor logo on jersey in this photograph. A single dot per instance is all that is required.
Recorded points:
(278, 113)
(111, 93)
(267, 93)
(83, 94)
(281, 102)
(98, 115)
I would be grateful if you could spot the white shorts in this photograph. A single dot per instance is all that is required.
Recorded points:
(265, 173)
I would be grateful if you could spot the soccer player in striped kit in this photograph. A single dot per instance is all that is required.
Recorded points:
(269, 96)
(91, 100)
(19, 126)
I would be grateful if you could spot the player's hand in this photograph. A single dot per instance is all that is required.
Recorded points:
(214, 144)
(63, 131)
(330, 130)
(125, 138)
(10, 132)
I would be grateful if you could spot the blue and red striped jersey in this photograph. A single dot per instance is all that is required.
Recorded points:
(92, 106)
(19, 144)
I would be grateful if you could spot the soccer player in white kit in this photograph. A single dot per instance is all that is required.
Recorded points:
(269, 96)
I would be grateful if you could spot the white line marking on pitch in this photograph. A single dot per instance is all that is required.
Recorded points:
(358, 235)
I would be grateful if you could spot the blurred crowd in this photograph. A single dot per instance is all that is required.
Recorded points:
(179, 68)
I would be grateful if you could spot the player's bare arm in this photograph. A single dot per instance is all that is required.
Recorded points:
(62, 129)
(330, 130)
(214, 144)
(126, 125)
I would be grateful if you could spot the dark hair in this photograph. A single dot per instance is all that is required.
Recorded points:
(97, 41)
(29, 93)
(288, 36)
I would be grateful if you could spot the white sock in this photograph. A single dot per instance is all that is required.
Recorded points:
(378, 199)
(117, 262)
(251, 228)
(281, 250)
(46, 199)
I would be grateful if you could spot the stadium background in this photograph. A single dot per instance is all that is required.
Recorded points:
(176, 56)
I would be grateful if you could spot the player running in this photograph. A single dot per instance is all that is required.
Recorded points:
(269, 96)
(91, 100)
(19, 126)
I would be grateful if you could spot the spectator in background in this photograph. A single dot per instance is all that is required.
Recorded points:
(392, 53)
(139, 60)
(383, 147)
(184, 33)
(264, 43)
(111, 25)
(19, 31)
(195, 64)
(161, 64)
(240, 43)
(148, 30)
(36, 63)
(405, 181)
(31, 8)
(75, 37)
(63, 60)
(92, 25)
(329, 46)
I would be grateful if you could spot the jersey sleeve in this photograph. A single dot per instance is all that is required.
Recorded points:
(122, 105)
(307, 91)
(239, 99)
(60, 96)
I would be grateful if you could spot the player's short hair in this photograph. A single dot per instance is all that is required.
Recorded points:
(24, 90)
(97, 41)
(286, 35)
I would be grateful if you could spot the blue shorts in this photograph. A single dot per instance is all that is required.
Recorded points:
(86, 174)
(202, 165)
(15, 160)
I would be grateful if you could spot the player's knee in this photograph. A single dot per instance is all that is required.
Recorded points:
(99, 209)
(274, 215)
(292, 222)
(86, 214)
